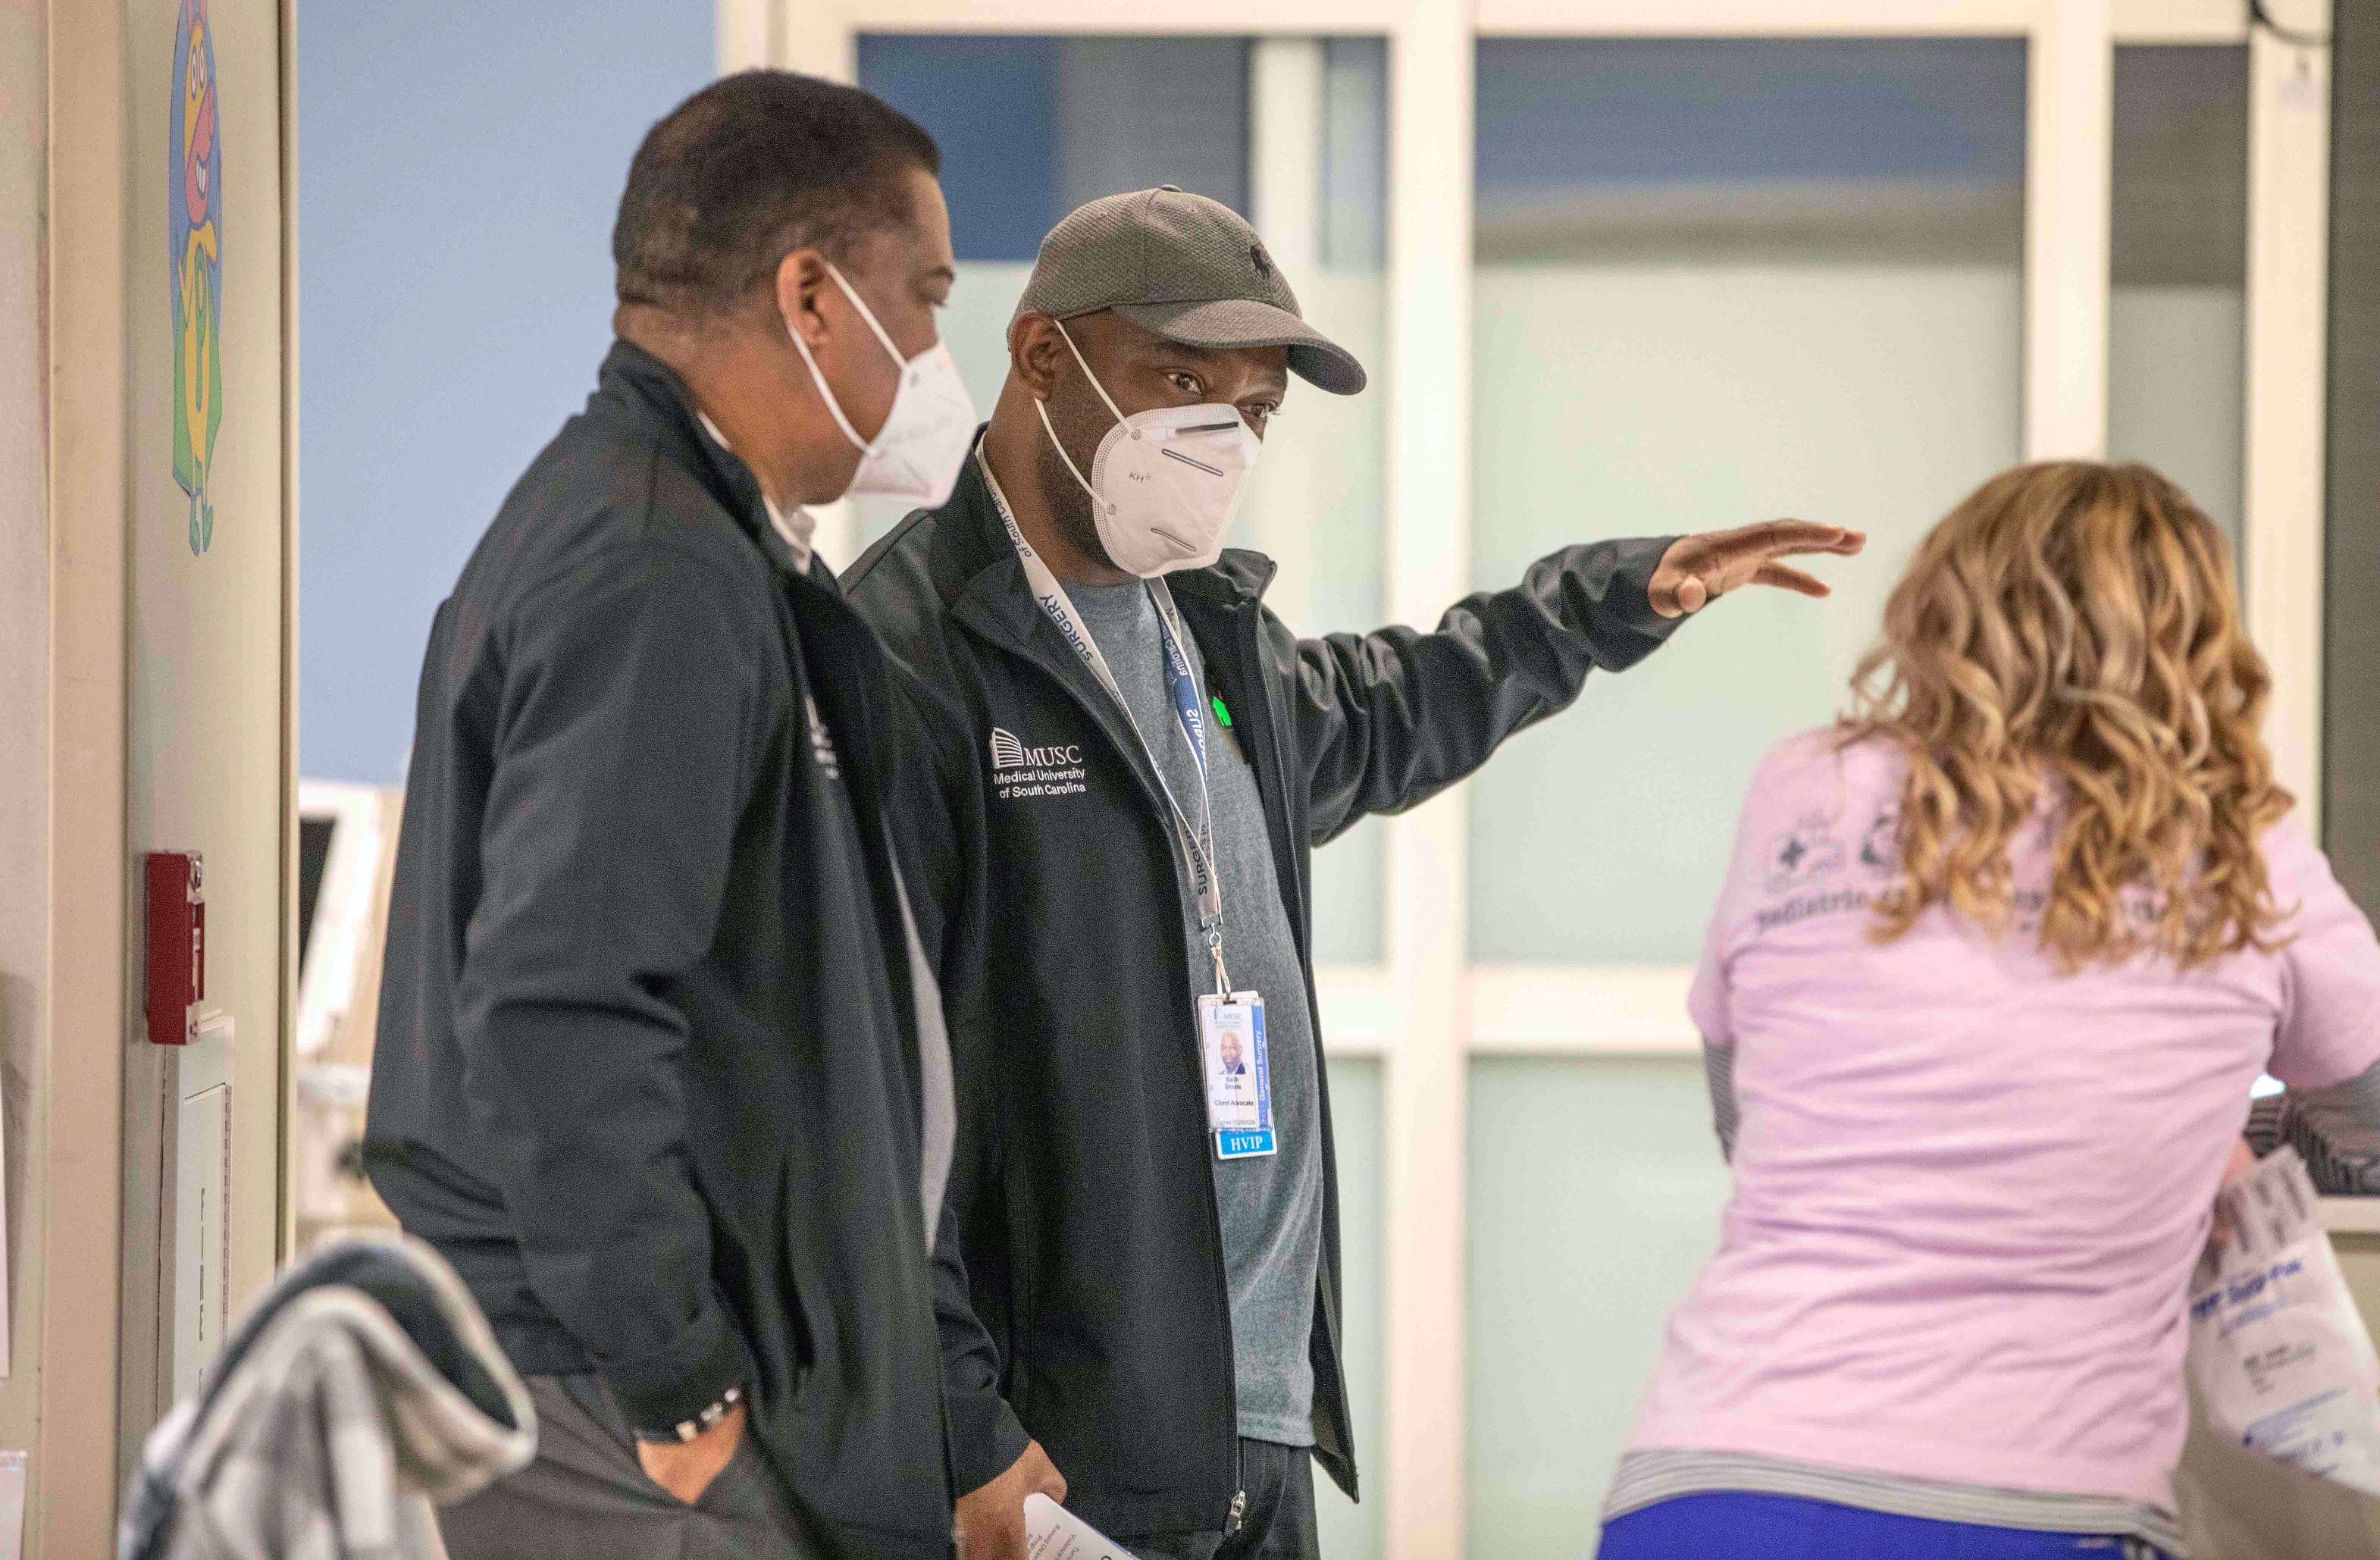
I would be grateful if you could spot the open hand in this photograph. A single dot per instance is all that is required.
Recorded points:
(991, 1519)
(1710, 564)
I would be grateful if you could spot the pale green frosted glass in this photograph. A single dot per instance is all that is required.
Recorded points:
(1349, 891)
(1316, 501)
(1351, 1531)
(1315, 505)
(1629, 399)
(1595, 1191)
(2177, 368)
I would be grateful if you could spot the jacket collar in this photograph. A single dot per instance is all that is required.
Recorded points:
(652, 395)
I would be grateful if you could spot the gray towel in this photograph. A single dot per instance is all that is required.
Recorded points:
(361, 1389)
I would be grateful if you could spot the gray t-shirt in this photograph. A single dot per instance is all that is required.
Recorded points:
(1272, 1206)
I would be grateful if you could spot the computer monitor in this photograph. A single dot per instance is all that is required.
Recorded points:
(341, 837)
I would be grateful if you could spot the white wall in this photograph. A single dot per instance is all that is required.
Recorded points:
(24, 695)
(205, 762)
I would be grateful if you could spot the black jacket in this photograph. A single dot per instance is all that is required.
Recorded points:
(1091, 1309)
(646, 1071)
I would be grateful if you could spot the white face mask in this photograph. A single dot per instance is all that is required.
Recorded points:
(1165, 484)
(919, 452)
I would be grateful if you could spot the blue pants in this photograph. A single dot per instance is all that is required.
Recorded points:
(1753, 1527)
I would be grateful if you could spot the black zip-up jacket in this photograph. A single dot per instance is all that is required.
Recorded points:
(648, 1066)
(1084, 1299)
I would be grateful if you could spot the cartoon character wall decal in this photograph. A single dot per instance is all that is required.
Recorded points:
(194, 215)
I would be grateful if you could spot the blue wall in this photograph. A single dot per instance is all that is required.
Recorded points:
(1561, 111)
(990, 103)
(1032, 127)
(459, 165)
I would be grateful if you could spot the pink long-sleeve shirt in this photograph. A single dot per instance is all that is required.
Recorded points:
(1968, 1188)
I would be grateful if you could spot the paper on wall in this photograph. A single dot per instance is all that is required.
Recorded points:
(12, 1505)
(7, 1323)
(1052, 1533)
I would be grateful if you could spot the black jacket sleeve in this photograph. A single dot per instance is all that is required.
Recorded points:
(986, 1435)
(626, 744)
(938, 807)
(1389, 719)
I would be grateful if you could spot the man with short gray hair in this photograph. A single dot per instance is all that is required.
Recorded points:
(1130, 761)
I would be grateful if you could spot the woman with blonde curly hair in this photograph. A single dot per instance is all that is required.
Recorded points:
(1997, 960)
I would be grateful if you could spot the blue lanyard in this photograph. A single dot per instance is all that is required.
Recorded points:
(1198, 842)
(1184, 685)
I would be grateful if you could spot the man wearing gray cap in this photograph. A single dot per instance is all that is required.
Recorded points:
(1127, 762)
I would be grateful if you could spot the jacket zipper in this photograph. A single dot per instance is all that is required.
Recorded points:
(1238, 1511)
(1247, 636)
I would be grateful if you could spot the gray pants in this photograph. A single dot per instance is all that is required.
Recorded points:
(587, 1498)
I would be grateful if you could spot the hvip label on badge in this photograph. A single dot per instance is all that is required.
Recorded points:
(1233, 1144)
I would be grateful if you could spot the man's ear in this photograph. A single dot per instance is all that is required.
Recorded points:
(1035, 353)
(801, 278)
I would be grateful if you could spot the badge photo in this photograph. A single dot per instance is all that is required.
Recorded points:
(1239, 1077)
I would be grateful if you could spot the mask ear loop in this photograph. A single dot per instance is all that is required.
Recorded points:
(867, 315)
(1043, 408)
(825, 391)
(1067, 336)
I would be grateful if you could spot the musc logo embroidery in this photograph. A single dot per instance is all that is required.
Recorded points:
(1008, 752)
(1019, 772)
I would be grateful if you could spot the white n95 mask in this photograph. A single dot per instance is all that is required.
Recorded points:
(919, 452)
(1165, 484)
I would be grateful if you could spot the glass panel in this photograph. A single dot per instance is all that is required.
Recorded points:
(2179, 265)
(1032, 127)
(1718, 282)
(1351, 1531)
(1318, 497)
(1569, 1293)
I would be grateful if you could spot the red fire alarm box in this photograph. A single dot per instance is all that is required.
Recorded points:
(178, 945)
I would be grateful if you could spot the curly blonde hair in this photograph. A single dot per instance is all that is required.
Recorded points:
(2076, 625)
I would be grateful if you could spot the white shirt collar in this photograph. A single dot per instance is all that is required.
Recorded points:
(795, 530)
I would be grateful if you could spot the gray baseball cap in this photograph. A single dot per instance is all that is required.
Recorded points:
(1189, 269)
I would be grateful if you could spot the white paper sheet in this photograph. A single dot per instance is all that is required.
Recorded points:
(12, 1505)
(7, 1323)
(1052, 1533)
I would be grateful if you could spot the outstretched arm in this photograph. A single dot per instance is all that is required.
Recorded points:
(1387, 720)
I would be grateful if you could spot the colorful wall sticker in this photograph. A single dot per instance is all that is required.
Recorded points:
(194, 202)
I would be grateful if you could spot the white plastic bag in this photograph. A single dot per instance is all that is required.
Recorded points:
(2281, 1360)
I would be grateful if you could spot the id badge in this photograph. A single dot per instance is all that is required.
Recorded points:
(1239, 1077)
